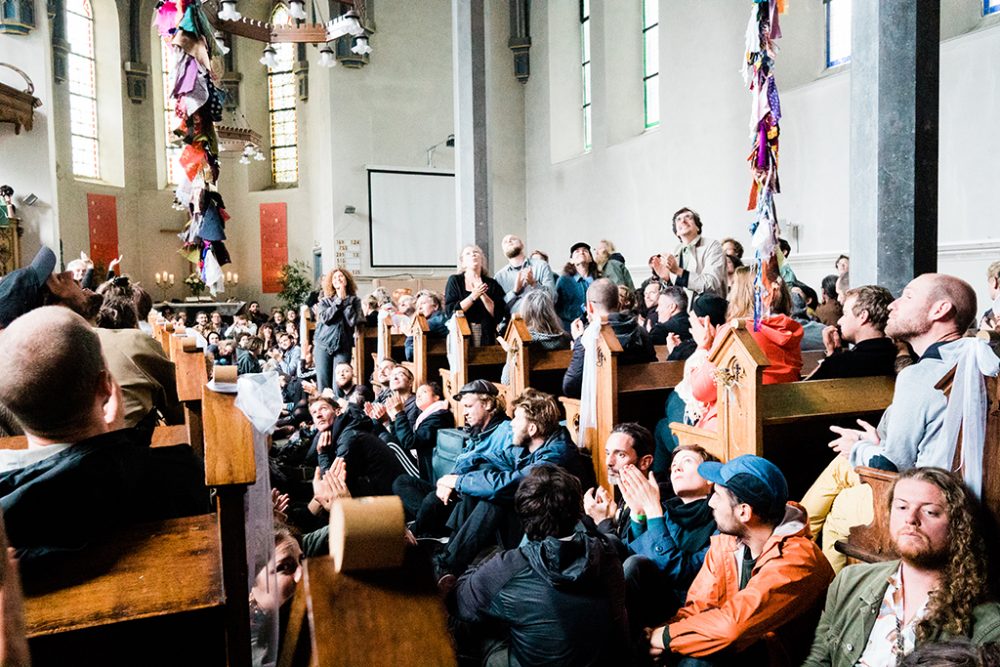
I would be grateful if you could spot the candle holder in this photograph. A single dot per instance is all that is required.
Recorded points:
(164, 281)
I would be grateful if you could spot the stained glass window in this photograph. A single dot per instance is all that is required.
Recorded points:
(585, 70)
(82, 78)
(838, 32)
(651, 61)
(168, 62)
(281, 104)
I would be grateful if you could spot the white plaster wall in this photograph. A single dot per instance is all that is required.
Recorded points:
(627, 189)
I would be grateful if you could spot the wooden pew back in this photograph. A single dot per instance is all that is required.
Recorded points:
(428, 353)
(467, 355)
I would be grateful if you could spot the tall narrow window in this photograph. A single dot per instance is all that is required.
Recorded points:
(281, 104)
(585, 69)
(168, 62)
(990, 6)
(838, 32)
(651, 61)
(82, 89)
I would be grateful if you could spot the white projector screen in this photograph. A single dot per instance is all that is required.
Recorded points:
(412, 218)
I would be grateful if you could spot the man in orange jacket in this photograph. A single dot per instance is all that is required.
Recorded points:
(757, 597)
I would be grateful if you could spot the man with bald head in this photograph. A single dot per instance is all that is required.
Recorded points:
(932, 313)
(602, 303)
(82, 473)
(521, 275)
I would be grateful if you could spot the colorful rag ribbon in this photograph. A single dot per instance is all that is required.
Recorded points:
(197, 97)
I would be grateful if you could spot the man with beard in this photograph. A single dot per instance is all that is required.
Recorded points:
(629, 444)
(933, 312)
(936, 590)
(763, 580)
(521, 275)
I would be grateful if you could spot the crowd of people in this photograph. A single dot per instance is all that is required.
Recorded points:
(685, 560)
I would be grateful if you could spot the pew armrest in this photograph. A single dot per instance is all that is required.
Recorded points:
(871, 543)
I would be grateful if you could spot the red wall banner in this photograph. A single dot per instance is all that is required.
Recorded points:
(102, 219)
(273, 245)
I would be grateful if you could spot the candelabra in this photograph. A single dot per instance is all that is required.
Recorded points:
(164, 281)
(232, 281)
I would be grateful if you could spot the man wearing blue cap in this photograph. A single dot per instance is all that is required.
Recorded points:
(763, 577)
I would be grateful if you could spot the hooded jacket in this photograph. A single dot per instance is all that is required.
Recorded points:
(636, 349)
(563, 601)
(779, 605)
(779, 337)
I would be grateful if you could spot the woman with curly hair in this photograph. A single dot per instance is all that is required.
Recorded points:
(938, 589)
(337, 313)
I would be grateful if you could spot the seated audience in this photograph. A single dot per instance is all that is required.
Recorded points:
(267, 335)
(277, 318)
(673, 322)
(555, 600)
(843, 285)
(429, 305)
(611, 265)
(380, 378)
(399, 394)
(254, 313)
(602, 303)
(201, 323)
(938, 587)
(420, 436)
(483, 411)
(830, 310)
(241, 325)
(291, 354)
(778, 336)
(761, 588)
(629, 444)
(137, 363)
(732, 248)
(83, 474)
(522, 276)
(343, 381)
(248, 355)
(933, 312)
(650, 302)
(482, 485)
(571, 288)
(843, 265)
(215, 322)
(862, 326)
(477, 295)
(543, 324)
(669, 538)
(269, 601)
(991, 316)
(732, 263)
(812, 331)
(786, 269)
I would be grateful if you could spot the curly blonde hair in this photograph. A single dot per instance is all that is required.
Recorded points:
(964, 577)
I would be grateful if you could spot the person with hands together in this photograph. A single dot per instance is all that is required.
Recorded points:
(476, 294)
(337, 313)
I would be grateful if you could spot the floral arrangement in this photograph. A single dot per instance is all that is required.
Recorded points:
(195, 284)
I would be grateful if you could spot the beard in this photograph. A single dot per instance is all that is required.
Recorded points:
(920, 553)
(906, 328)
(513, 251)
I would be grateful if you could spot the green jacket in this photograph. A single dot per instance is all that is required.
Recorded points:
(852, 606)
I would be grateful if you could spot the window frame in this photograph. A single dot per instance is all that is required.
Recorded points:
(646, 75)
(586, 77)
(272, 110)
(90, 95)
(171, 151)
(840, 61)
(989, 8)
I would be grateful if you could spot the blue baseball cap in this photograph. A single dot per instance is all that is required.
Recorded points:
(751, 479)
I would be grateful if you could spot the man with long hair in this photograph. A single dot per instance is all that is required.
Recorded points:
(877, 613)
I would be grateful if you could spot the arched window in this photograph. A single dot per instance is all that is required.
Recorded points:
(281, 108)
(651, 61)
(585, 70)
(168, 64)
(82, 67)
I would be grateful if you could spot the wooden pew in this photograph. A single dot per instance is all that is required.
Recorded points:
(190, 366)
(466, 357)
(365, 345)
(183, 577)
(872, 543)
(786, 423)
(392, 339)
(429, 354)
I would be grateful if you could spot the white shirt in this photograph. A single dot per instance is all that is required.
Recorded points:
(16, 459)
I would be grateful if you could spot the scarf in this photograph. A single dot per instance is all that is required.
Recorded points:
(437, 406)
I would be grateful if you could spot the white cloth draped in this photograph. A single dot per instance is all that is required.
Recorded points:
(588, 390)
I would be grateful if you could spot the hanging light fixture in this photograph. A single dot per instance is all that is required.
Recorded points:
(344, 25)
(270, 57)
(297, 10)
(220, 40)
(361, 47)
(327, 57)
(228, 11)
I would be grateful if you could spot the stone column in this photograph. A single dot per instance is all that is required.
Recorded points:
(895, 48)
(469, 57)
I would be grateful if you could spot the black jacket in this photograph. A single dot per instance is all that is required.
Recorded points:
(636, 349)
(455, 291)
(336, 321)
(69, 500)
(423, 438)
(876, 356)
(563, 601)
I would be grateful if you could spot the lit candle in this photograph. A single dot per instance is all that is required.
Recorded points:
(229, 276)
(157, 277)
(236, 278)
(171, 279)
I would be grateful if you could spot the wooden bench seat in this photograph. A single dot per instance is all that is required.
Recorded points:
(785, 423)
(470, 363)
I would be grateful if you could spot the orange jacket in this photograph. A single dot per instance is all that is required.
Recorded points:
(779, 338)
(788, 584)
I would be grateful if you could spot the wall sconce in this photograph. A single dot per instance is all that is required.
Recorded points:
(228, 12)
(449, 142)
(220, 40)
(297, 10)
(327, 57)
(361, 47)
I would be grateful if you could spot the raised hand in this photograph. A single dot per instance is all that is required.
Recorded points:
(644, 490)
(598, 505)
(673, 266)
(831, 340)
(324, 442)
(280, 502)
